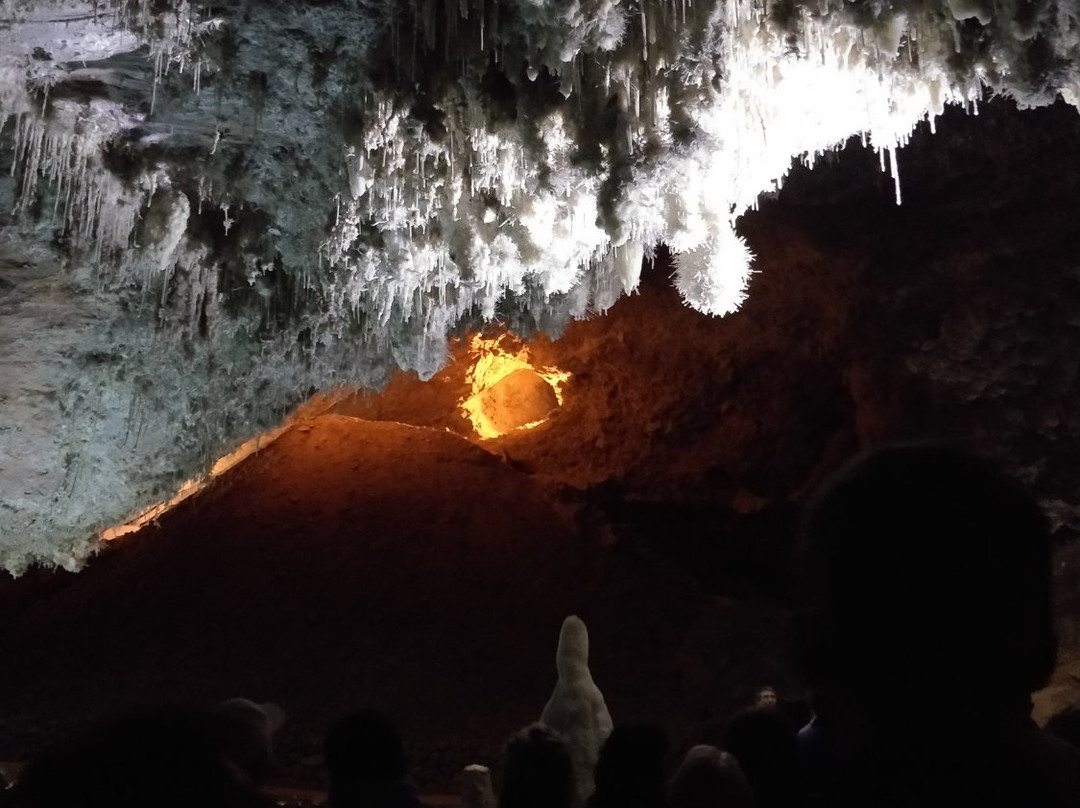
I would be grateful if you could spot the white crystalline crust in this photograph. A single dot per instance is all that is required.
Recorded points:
(277, 197)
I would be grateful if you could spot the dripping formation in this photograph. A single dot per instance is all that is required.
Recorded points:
(248, 213)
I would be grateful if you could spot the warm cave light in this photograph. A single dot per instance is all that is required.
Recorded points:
(194, 485)
(507, 391)
(148, 515)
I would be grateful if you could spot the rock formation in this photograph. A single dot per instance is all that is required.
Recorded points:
(216, 208)
(576, 709)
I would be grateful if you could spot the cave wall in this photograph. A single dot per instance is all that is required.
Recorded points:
(683, 438)
(951, 317)
(247, 199)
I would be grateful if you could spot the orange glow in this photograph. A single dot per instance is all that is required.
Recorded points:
(188, 488)
(147, 516)
(194, 485)
(494, 359)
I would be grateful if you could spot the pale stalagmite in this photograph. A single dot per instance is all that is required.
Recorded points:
(576, 708)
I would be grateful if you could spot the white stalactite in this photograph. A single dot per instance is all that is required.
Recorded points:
(446, 158)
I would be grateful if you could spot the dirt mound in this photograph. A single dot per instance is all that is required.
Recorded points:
(354, 563)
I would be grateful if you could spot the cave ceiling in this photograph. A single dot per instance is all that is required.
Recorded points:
(215, 209)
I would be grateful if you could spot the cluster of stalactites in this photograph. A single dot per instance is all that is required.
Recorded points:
(541, 146)
(58, 145)
(705, 105)
(89, 204)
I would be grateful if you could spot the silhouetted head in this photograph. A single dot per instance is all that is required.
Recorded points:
(537, 772)
(767, 748)
(630, 771)
(160, 757)
(1066, 725)
(572, 656)
(766, 697)
(926, 581)
(245, 734)
(361, 748)
(709, 778)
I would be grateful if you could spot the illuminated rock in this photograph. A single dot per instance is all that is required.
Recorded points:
(524, 397)
(499, 404)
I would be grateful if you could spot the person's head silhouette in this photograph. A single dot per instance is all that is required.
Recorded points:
(709, 778)
(1066, 725)
(926, 622)
(764, 743)
(245, 734)
(926, 585)
(537, 770)
(364, 747)
(630, 771)
(162, 756)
